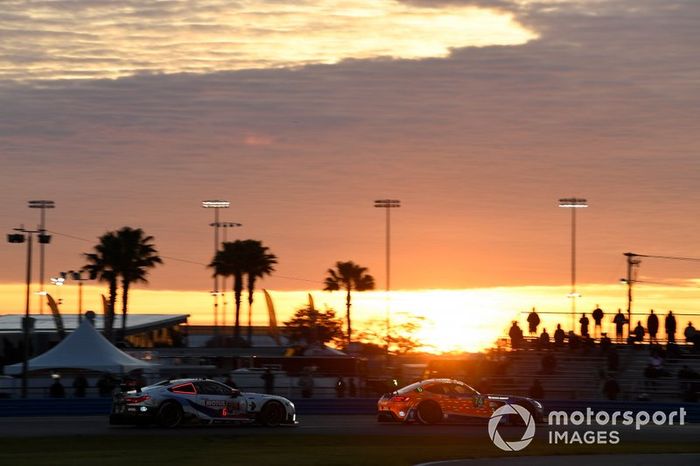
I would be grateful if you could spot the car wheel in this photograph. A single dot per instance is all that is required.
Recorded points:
(170, 415)
(272, 414)
(429, 412)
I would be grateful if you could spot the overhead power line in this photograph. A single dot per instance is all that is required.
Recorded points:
(177, 259)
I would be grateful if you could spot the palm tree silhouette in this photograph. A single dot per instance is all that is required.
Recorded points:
(103, 264)
(138, 254)
(348, 276)
(257, 263)
(127, 253)
(228, 262)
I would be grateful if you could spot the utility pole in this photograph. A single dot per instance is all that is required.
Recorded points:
(633, 262)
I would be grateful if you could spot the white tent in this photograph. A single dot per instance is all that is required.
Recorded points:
(87, 349)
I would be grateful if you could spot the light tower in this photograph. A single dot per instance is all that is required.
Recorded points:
(574, 204)
(43, 240)
(216, 204)
(388, 204)
(225, 226)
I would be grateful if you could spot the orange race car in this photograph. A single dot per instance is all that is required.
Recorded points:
(437, 400)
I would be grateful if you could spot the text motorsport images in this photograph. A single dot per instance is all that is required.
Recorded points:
(599, 421)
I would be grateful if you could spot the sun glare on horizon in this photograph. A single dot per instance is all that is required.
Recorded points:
(456, 320)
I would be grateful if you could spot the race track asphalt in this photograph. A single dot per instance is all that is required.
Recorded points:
(309, 425)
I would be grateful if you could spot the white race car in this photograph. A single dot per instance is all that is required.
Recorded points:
(172, 402)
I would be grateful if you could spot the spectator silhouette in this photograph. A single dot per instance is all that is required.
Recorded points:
(533, 320)
(653, 326)
(690, 334)
(536, 390)
(671, 327)
(269, 380)
(56, 389)
(559, 336)
(516, 335)
(584, 325)
(605, 342)
(105, 385)
(619, 320)
(639, 332)
(598, 320)
(573, 340)
(544, 338)
(80, 385)
(340, 387)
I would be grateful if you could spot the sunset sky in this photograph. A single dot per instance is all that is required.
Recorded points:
(477, 115)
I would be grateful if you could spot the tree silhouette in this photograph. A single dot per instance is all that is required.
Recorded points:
(311, 327)
(127, 254)
(349, 277)
(138, 255)
(257, 262)
(103, 264)
(228, 262)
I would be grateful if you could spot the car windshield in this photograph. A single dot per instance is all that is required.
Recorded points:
(409, 388)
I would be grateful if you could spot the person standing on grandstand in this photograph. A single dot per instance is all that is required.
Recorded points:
(584, 325)
(671, 327)
(690, 333)
(639, 332)
(598, 320)
(533, 320)
(652, 327)
(559, 336)
(516, 335)
(619, 320)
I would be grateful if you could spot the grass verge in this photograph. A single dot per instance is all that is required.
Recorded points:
(283, 450)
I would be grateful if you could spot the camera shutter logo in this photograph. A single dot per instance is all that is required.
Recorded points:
(496, 419)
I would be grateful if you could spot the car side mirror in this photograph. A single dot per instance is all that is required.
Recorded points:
(235, 393)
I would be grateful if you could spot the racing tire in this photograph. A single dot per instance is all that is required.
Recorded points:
(429, 412)
(272, 414)
(170, 415)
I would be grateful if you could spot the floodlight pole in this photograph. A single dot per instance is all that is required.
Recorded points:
(216, 205)
(225, 226)
(21, 236)
(388, 204)
(43, 205)
(573, 203)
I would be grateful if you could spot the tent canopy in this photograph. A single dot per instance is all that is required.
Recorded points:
(85, 349)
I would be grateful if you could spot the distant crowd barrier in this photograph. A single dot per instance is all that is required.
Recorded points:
(338, 406)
